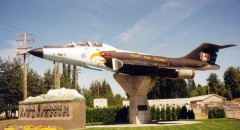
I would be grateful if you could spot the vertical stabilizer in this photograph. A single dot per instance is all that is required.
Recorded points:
(206, 52)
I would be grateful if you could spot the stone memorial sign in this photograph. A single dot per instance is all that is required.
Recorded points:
(60, 107)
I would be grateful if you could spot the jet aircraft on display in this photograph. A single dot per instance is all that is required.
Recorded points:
(99, 56)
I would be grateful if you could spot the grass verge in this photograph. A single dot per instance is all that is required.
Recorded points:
(213, 124)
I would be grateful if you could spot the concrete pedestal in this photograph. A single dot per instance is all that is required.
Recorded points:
(137, 87)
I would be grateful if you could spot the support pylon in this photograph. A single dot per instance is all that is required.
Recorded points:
(137, 87)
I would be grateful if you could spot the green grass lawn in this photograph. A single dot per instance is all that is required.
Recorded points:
(213, 124)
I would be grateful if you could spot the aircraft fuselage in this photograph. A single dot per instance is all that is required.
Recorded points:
(104, 57)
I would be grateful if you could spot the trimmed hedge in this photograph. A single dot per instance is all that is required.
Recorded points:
(173, 113)
(107, 115)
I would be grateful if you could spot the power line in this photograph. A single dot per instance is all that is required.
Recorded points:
(41, 41)
(7, 30)
(19, 29)
(14, 27)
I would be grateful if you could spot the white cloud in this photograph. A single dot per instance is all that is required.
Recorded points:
(93, 21)
(160, 20)
(9, 52)
(172, 4)
(5, 53)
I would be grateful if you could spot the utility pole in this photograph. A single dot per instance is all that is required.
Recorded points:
(23, 50)
(75, 73)
(56, 75)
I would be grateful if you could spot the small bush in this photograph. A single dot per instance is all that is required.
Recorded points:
(191, 114)
(158, 114)
(153, 112)
(178, 112)
(163, 114)
(216, 112)
(174, 114)
(168, 113)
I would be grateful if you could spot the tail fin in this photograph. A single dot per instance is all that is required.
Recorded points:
(206, 52)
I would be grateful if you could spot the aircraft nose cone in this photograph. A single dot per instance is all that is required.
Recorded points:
(37, 52)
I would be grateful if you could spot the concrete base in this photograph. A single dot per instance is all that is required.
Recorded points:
(137, 87)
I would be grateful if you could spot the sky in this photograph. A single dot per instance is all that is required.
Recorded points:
(170, 28)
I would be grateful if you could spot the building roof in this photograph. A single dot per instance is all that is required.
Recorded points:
(203, 97)
(197, 98)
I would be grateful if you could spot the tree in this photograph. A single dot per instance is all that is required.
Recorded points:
(154, 93)
(169, 88)
(48, 79)
(11, 88)
(223, 91)
(102, 89)
(116, 100)
(65, 79)
(88, 96)
(213, 82)
(216, 87)
(180, 88)
(201, 90)
(232, 80)
(11, 85)
(191, 83)
(35, 84)
(158, 90)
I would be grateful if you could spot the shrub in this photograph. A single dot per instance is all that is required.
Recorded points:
(174, 114)
(158, 114)
(191, 114)
(168, 113)
(163, 114)
(122, 115)
(216, 112)
(153, 112)
(178, 112)
(210, 114)
(183, 112)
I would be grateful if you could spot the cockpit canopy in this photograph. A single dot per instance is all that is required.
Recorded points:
(77, 44)
(83, 44)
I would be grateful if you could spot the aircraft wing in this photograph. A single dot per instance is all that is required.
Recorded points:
(90, 67)
(119, 63)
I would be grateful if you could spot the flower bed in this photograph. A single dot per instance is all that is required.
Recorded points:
(30, 127)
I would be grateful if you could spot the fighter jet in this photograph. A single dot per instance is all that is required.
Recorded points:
(99, 56)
